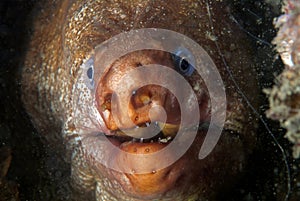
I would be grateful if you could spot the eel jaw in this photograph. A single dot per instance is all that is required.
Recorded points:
(160, 182)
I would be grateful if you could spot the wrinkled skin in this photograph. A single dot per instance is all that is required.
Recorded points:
(65, 34)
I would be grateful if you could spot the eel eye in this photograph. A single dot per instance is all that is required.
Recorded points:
(90, 73)
(88, 67)
(184, 61)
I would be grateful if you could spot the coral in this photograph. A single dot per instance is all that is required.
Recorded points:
(284, 97)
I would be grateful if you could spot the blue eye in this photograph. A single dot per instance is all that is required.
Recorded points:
(184, 61)
(89, 72)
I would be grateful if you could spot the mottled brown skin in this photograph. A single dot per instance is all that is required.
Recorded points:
(66, 32)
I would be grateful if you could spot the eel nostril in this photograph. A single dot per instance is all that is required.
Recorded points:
(138, 64)
(145, 99)
(141, 97)
(107, 102)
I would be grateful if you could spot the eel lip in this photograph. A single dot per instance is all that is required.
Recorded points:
(164, 134)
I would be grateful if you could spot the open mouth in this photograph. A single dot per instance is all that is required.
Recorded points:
(164, 134)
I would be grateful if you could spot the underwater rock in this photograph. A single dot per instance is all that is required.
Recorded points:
(64, 47)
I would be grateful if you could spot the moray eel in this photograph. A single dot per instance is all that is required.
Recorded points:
(64, 42)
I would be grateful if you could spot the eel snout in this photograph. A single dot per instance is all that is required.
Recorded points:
(139, 112)
(146, 104)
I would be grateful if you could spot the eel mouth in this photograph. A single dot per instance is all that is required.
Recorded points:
(165, 134)
(136, 127)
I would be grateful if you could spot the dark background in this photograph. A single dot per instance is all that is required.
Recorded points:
(266, 176)
(16, 130)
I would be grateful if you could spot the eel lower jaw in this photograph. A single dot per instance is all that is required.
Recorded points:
(173, 180)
